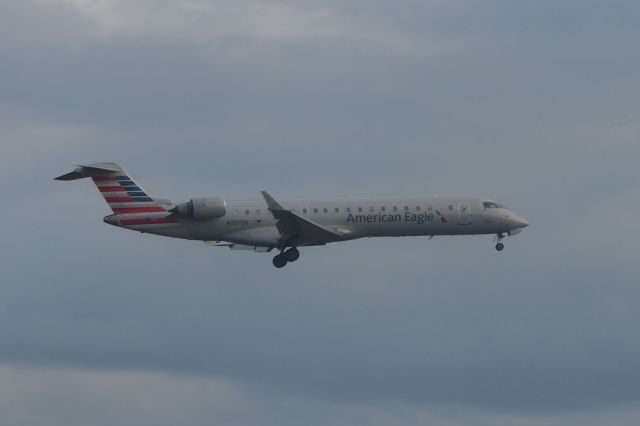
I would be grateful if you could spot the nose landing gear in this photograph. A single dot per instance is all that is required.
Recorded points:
(286, 256)
(499, 245)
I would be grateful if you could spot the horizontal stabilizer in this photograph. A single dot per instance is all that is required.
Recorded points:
(98, 169)
(71, 176)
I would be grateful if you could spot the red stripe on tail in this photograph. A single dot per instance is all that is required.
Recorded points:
(118, 199)
(111, 189)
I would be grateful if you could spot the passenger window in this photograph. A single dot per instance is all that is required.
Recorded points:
(417, 208)
(246, 212)
(395, 208)
(406, 208)
(348, 209)
(337, 210)
(326, 210)
(383, 209)
(257, 211)
(359, 209)
(450, 207)
(372, 209)
(315, 210)
(304, 211)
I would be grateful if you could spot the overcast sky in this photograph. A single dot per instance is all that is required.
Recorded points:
(533, 104)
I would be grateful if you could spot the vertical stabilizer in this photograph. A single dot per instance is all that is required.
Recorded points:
(119, 190)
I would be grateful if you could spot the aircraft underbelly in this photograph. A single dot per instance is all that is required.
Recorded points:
(166, 230)
(261, 236)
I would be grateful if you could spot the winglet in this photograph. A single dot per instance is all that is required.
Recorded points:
(273, 204)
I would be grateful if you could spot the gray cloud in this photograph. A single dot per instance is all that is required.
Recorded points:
(45, 396)
(534, 105)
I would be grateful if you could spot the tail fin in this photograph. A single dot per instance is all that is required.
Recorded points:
(120, 191)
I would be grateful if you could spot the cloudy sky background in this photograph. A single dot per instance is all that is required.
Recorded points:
(534, 104)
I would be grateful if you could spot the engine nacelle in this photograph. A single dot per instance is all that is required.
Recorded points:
(201, 208)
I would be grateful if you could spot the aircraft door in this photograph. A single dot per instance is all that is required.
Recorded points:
(464, 214)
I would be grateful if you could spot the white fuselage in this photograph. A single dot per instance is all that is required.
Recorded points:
(263, 225)
(251, 223)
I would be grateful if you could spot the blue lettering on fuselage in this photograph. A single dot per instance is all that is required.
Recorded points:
(373, 218)
(419, 218)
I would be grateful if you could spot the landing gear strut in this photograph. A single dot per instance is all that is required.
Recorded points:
(499, 246)
(285, 256)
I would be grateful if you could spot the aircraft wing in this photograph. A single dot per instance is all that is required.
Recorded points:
(297, 229)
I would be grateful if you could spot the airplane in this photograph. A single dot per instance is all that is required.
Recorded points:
(266, 224)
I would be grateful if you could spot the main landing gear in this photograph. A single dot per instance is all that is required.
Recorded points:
(499, 245)
(286, 256)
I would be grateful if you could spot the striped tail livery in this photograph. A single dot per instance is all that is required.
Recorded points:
(132, 206)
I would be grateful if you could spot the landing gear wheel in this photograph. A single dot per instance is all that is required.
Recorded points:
(499, 246)
(279, 261)
(292, 254)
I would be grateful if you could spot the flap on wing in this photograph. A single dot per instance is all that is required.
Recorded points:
(292, 225)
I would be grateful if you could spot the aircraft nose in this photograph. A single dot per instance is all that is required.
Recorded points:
(520, 221)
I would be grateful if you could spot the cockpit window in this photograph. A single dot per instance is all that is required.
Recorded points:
(490, 205)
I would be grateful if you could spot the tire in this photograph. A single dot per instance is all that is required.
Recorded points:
(499, 246)
(292, 254)
(279, 261)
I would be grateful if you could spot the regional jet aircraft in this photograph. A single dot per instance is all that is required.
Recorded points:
(266, 224)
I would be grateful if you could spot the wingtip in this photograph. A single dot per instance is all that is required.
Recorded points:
(266, 195)
(271, 202)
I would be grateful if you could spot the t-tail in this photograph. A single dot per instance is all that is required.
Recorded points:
(132, 206)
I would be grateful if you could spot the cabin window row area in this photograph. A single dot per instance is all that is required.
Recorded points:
(370, 209)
